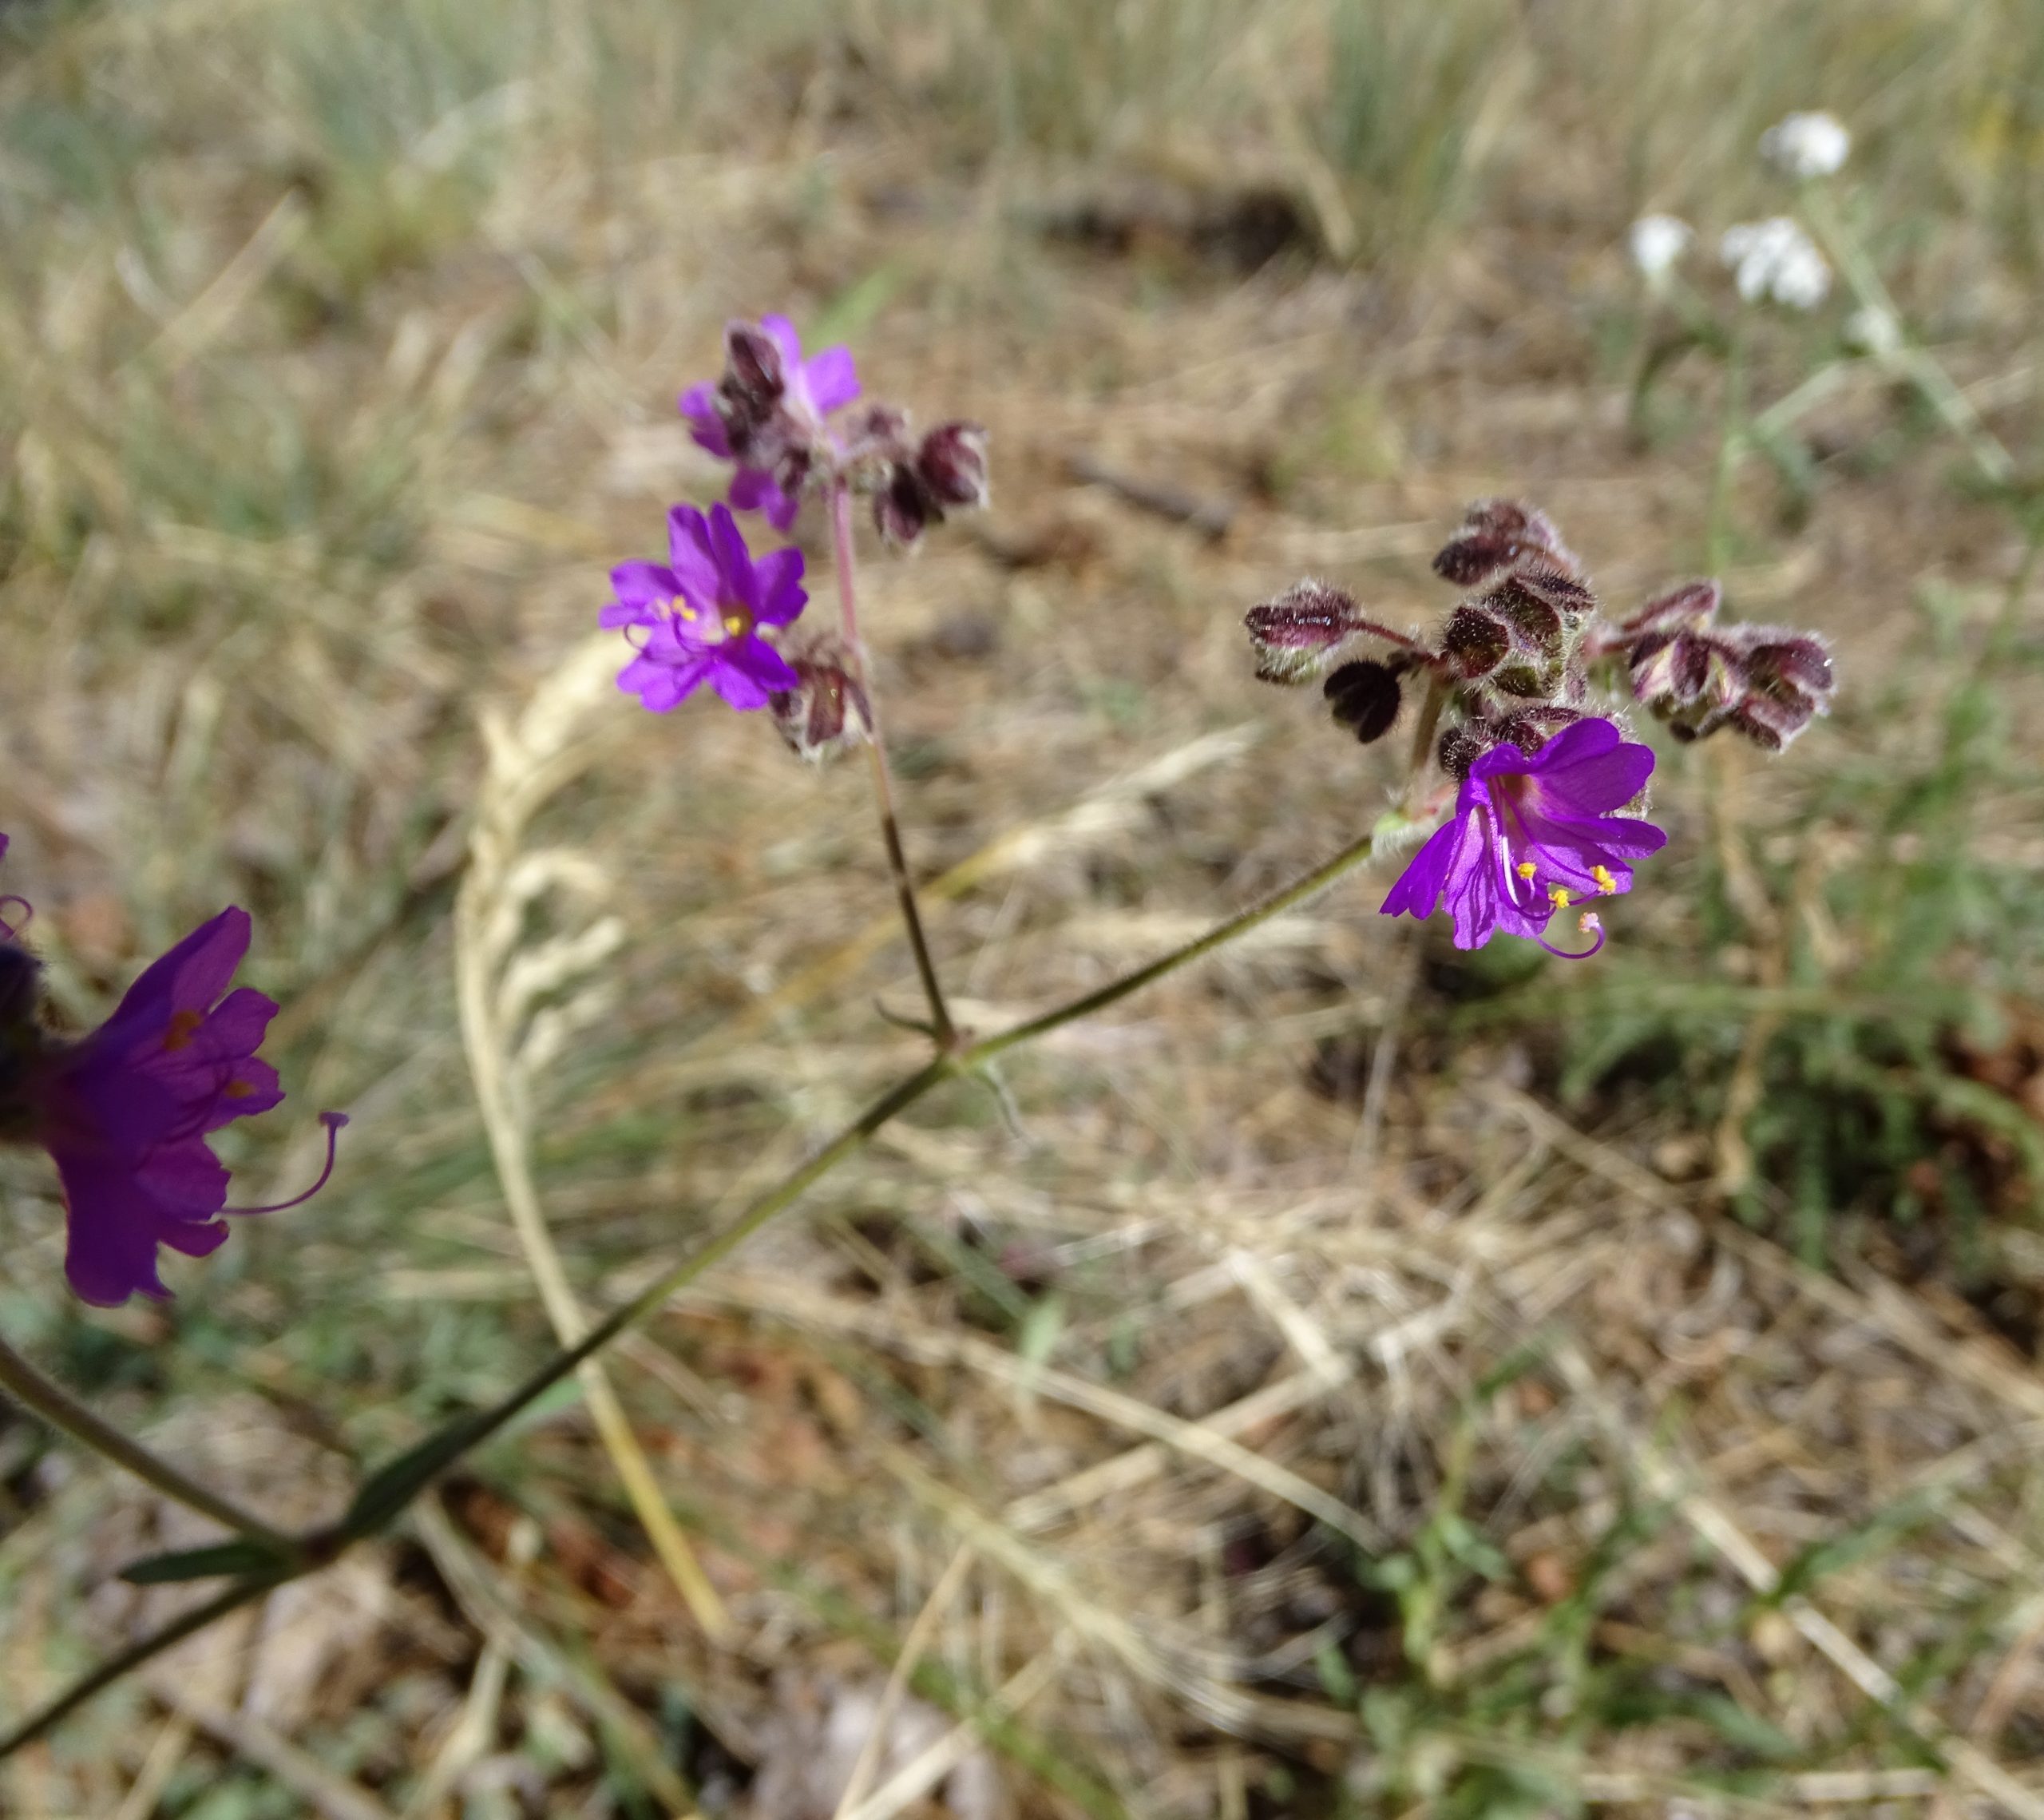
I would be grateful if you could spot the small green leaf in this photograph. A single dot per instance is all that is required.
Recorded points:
(390, 1488)
(216, 1562)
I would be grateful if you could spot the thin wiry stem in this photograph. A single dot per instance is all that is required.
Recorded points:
(40, 1722)
(941, 1027)
(470, 1431)
(64, 1413)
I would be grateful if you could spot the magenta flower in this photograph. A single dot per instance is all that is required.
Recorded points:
(701, 612)
(125, 1113)
(1531, 834)
(766, 414)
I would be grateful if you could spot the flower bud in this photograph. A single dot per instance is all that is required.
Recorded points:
(1365, 698)
(1498, 535)
(826, 712)
(902, 508)
(953, 464)
(1693, 604)
(755, 376)
(1475, 642)
(1295, 633)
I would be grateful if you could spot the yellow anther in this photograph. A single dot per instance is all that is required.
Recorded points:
(738, 622)
(687, 611)
(1606, 885)
(1526, 868)
(184, 1027)
(1558, 896)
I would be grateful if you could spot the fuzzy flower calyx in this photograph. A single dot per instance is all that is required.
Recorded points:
(700, 617)
(126, 1111)
(1806, 145)
(766, 414)
(1765, 682)
(825, 712)
(1532, 834)
(783, 422)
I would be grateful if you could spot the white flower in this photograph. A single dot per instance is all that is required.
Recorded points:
(1806, 145)
(1776, 259)
(1657, 241)
(1874, 331)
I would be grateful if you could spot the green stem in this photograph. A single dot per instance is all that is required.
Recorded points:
(1731, 446)
(64, 1413)
(41, 1721)
(1292, 895)
(942, 1030)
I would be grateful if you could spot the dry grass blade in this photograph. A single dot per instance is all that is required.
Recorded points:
(507, 1034)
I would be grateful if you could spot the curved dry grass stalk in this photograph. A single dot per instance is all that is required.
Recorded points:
(523, 1000)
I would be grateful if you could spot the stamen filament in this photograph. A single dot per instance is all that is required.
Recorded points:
(332, 1121)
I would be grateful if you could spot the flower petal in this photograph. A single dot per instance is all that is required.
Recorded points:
(785, 338)
(661, 686)
(697, 404)
(761, 665)
(834, 381)
(781, 596)
(734, 560)
(113, 1227)
(693, 552)
(188, 978)
(1420, 886)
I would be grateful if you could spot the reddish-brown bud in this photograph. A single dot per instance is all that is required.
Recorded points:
(754, 373)
(953, 464)
(826, 712)
(1365, 698)
(1475, 642)
(903, 508)
(1295, 633)
(1498, 535)
(1685, 608)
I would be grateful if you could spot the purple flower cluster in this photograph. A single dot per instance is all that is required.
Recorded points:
(785, 422)
(766, 415)
(1540, 782)
(125, 1112)
(771, 415)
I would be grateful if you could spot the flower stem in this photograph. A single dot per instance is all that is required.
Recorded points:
(462, 1436)
(64, 1412)
(1310, 885)
(941, 1027)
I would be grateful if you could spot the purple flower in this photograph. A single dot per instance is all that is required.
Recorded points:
(125, 1113)
(767, 412)
(701, 612)
(1530, 833)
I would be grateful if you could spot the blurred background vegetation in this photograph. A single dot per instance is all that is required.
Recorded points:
(338, 350)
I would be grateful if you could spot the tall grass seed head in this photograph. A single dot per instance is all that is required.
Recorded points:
(1806, 145)
(702, 616)
(1775, 258)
